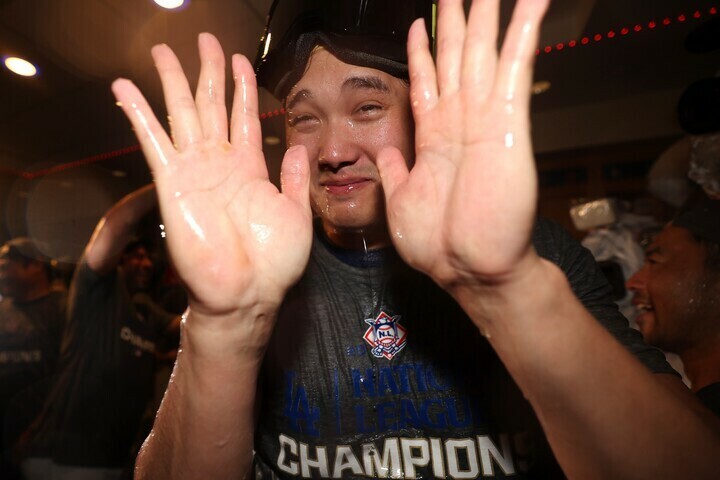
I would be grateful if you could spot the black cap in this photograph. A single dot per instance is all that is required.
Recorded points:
(23, 248)
(368, 33)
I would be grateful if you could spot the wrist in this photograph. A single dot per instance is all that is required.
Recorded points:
(241, 333)
(498, 303)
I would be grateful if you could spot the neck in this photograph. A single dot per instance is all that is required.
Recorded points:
(370, 238)
(702, 363)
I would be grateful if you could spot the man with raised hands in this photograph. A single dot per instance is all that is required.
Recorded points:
(389, 341)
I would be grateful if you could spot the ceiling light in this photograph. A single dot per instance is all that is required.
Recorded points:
(541, 86)
(118, 174)
(20, 66)
(272, 140)
(170, 4)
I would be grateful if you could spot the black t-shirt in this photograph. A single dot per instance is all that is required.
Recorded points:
(105, 377)
(373, 370)
(30, 335)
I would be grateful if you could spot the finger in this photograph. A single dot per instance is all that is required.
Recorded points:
(480, 51)
(245, 122)
(450, 39)
(423, 79)
(515, 68)
(210, 94)
(295, 176)
(180, 104)
(393, 170)
(155, 143)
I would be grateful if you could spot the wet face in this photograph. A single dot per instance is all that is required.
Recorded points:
(137, 268)
(344, 115)
(674, 292)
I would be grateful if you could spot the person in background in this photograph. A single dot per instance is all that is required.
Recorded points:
(677, 294)
(94, 411)
(32, 317)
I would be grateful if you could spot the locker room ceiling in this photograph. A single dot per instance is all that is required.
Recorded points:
(67, 113)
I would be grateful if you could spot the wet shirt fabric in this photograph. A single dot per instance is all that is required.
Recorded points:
(30, 334)
(105, 377)
(374, 371)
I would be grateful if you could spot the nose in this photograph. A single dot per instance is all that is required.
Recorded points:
(146, 263)
(637, 281)
(337, 146)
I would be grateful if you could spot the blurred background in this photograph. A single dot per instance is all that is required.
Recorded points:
(608, 79)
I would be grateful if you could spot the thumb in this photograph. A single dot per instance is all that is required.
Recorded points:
(295, 176)
(393, 170)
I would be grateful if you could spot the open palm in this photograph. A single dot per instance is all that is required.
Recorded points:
(466, 209)
(235, 240)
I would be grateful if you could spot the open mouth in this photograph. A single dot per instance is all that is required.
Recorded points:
(644, 308)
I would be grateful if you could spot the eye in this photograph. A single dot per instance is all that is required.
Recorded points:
(369, 108)
(299, 119)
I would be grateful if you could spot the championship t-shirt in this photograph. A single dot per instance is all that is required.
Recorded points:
(374, 371)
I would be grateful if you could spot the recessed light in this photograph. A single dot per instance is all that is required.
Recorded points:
(118, 174)
(541, 86)
(20, 66)
(272, 140)
(170, 4)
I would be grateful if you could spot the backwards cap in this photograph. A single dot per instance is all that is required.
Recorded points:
(368, 33)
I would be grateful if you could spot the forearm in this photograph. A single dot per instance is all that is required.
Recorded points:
(205, 425)
(116, 227)
(605, 415)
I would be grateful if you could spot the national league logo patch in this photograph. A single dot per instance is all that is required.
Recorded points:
(385, 335)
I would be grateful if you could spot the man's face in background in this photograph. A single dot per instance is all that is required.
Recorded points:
(344, 115)
(137, 268)
(18, 277)
(674, 292)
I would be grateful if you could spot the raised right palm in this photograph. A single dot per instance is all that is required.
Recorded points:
(235, 240)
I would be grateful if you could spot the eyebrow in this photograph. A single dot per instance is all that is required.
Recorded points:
(353, 83)
(366, 83)
(299, 96)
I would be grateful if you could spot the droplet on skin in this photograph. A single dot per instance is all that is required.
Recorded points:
(150, 135)
(398, 234)
(509, 140)
(178, 194)
(192, 223)
(262, 232)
